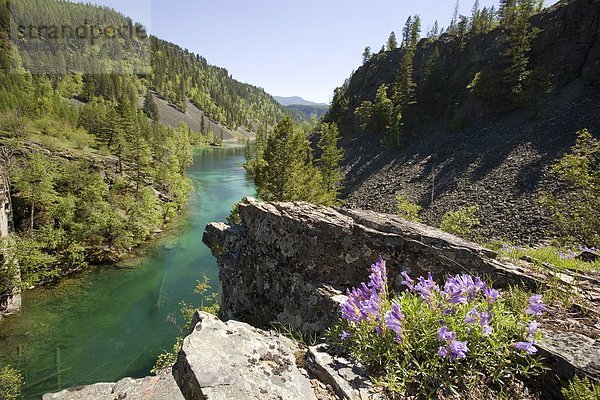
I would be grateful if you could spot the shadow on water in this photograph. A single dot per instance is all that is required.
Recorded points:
(107, 324)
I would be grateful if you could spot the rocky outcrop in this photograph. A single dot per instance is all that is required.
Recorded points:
(232, 360)
(160, 387)
(291, 262)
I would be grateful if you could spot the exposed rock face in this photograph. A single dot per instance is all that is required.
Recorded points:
(161, 387)
(291, 262)
(232, 360)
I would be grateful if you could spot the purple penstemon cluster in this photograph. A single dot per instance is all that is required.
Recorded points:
(462, 289)
(481, 318)
(393, 321)
(536, 307)
(465, 303)
(365, 303)
(455, 349)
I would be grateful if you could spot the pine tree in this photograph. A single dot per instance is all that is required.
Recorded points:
(454, 22)
(406, 32)
(150, 108)
(287, 173)
(392, 43)
(329, 162)
(382, 110)
(415, 31)
(366, 55)
(435, 30)
(514, 18)
(35, 185)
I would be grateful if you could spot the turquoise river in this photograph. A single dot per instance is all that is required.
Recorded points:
(111, 323)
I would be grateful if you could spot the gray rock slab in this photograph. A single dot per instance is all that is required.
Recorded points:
(232, 360)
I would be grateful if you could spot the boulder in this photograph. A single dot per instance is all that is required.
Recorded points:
(232, 360)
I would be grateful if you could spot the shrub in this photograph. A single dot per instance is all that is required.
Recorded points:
(11, 383)
(575, 205)
(438, 341)
(461, 221)
(407, 209)
(582, 389)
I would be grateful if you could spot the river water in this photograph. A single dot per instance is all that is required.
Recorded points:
(105, 325)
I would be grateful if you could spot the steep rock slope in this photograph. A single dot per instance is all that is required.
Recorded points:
(471, 150)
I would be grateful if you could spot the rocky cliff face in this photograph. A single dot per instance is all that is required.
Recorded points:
(462, 148)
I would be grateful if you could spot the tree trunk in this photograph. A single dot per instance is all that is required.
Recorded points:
(31, 226)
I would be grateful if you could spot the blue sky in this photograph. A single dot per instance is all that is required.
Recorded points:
(290, 48)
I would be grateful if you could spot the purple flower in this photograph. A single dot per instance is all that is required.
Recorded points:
(487, 330)
(472, 316)
(533, 327)
(393, 320)
(370, 308)
(427, 288)
(378, 277)
(408, 282)
(346, 335)
(458, 350)
(462, 288)
(351, 310)
(445, 335)
(485, 318)
(443, 352)
(359, 304)
(378, 330)
(536, 307)
(527, 347)
(491, 294)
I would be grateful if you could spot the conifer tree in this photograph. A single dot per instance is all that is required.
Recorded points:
(415, 31)
(150, 108)
(35, 185)
(287, 173)
(329, 162)
(382, 110)
(392, 43)
(366, 55)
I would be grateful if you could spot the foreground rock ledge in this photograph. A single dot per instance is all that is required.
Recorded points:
(291, 262)
(233, 360)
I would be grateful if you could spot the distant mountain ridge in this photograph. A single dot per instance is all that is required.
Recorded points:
(295, 101)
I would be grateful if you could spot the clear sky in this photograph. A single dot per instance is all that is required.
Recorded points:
(290, 48)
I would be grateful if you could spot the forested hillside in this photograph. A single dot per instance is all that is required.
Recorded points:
(93, 171)
(473, 115)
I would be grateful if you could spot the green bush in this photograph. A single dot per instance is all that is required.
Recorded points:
(575, 205)
(433, 342)
(461, 221)
(11, 383)
(407, 209)
(582, 389)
